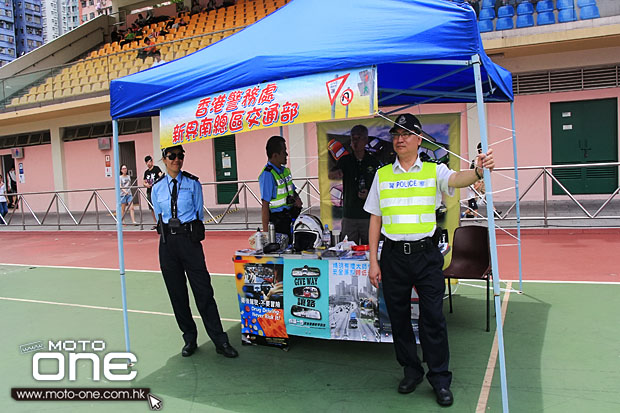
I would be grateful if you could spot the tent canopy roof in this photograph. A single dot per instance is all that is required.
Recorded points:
(313, 36)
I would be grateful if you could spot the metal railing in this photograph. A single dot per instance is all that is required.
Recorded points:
(98, 213)
(243, 211)
(544, 175)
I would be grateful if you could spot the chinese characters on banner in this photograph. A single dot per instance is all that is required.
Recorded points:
(277, 103)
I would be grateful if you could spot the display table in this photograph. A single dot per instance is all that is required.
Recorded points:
(288, 294)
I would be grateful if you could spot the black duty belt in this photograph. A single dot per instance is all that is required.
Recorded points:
(409, 247)
(183, 229)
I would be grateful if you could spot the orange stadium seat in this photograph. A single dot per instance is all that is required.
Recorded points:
(111, 61)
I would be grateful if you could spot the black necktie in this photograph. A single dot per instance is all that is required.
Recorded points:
(173, 198)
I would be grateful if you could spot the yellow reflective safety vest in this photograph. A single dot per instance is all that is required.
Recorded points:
(284, 183)
(407, 200)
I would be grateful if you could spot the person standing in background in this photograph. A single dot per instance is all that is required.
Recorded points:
(280, 202)
(357, 171)
(3, 205)
(126, 197)
(12, 187)
(152, 173)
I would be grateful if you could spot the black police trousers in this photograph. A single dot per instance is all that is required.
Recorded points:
(282, 222)
(422, 270)
(180, 256)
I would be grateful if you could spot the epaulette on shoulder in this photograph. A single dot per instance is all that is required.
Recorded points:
(268, 168)
(190, 176)
(162, 176)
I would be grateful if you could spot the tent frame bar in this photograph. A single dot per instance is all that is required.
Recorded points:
(119, 232)
(475, 61)
(492, 239)
(444, 62)
(460, 69)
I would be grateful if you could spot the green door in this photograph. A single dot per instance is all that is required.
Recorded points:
(225, 153)
(585, 132)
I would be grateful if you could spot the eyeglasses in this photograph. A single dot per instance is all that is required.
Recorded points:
(172, 156)
(402, 134)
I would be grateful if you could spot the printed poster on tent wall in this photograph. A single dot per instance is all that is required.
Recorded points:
(353, 304)
(306, 297)
(334, 142)
(260, 292)
(331, 95)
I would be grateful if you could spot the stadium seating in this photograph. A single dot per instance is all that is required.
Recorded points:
(525, 20)
(504, 18)
(525, 15)
(544, 18)
(589, 12)
(583, 3)
(489, 4)
(94, 73)
(544, 6)
(485, 26)
(566, 15)
(486, 14)
(565, 4)
(505, 11)
(525, 8)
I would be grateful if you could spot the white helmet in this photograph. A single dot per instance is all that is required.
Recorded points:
(307, 232)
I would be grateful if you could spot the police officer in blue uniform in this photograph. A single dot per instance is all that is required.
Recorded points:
(177, 200)
(280, 201)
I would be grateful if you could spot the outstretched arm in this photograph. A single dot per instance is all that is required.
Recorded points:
(465, 178)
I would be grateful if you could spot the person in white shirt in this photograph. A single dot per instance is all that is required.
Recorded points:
(402, 202)
(3, 203)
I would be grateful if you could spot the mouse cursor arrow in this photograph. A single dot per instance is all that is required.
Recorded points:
(154, 402)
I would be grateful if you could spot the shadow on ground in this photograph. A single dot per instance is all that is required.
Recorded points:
(350, 376)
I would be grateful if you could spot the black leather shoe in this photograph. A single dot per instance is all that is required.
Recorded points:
(188, 349)
(444, 397)
(227, 350)
(408, 384)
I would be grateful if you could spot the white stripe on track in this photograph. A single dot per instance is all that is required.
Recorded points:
(95, 307)
(100, 269)
(488, 376)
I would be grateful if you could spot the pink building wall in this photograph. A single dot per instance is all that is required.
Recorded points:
(85, 168)
(37, 162)
(84, 162)
(533, 129)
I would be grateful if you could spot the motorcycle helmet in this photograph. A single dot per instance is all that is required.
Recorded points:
(307, 232)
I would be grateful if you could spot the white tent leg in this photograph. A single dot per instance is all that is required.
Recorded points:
(492, 240)
(119, 229)
(514, 151)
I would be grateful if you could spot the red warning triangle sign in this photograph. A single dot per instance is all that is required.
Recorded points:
(334, 87)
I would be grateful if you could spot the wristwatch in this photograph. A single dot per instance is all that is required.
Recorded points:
(477, 174)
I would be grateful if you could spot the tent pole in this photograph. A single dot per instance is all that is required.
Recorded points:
(119, 229)
(492, 240)
(514, 151)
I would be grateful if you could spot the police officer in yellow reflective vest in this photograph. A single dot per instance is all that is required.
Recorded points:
(402, 202)
(280, 202)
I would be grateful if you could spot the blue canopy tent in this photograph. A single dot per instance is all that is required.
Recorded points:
(424, 51)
